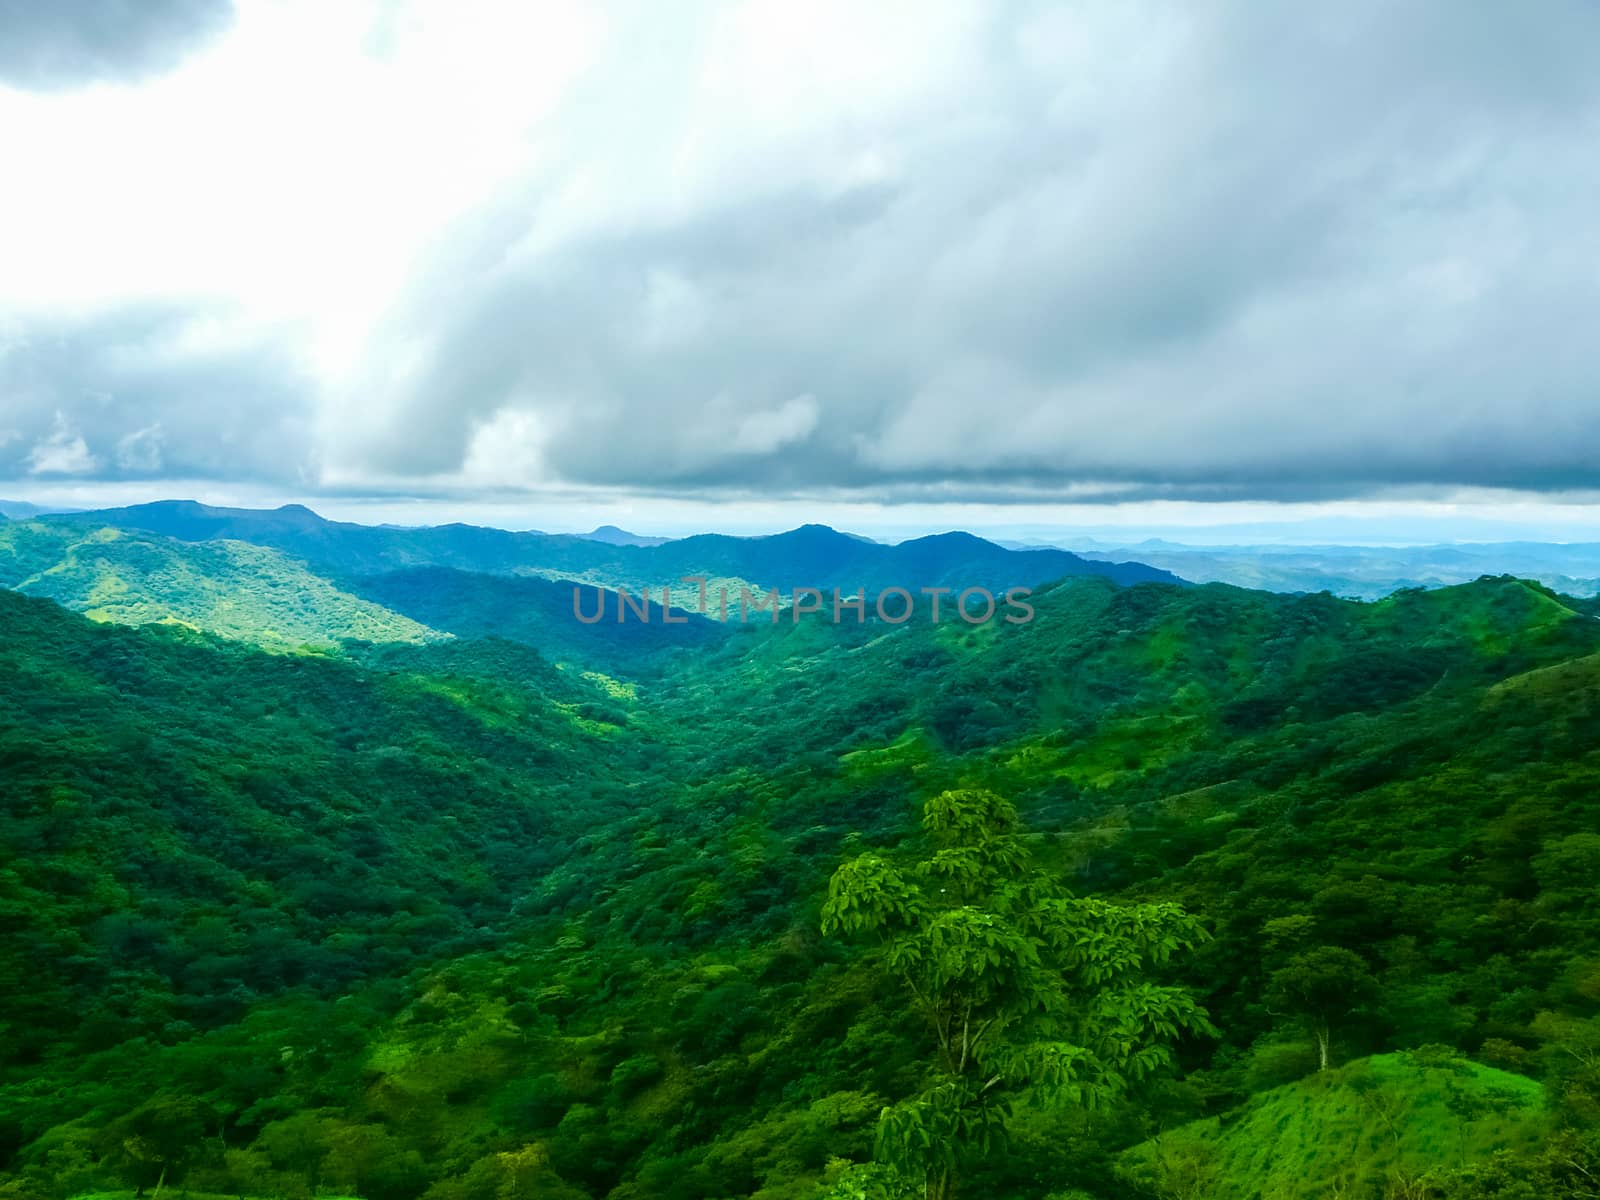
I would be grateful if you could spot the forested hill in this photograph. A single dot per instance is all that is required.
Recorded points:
(448, 919)
(231, 588)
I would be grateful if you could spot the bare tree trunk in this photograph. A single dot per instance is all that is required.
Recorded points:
(1321, 1032)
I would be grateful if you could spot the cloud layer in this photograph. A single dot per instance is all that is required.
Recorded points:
(1211, 251)
(53, 45)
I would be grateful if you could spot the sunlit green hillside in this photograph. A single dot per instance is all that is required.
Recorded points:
(250, 593)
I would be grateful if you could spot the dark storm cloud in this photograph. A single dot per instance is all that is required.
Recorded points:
(154, 392)
(1235, 250)
(53, 45)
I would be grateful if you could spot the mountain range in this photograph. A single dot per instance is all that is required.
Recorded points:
(810, 556)
(286, 578)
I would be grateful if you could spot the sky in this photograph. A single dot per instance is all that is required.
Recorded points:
(1330, 271)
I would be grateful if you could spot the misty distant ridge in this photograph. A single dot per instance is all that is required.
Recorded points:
(1359, 572)
(613, 536)
(21, 510)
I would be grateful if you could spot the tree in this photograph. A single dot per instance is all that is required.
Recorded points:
(1322, 986)
(1023, 988)
(299, 1143)
(157, 1139)
(521, 1167)
(371, 1161)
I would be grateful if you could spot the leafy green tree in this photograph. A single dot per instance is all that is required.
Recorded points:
(1025, 990)
(845, 1180)
(1323, 986)
(157, 1140)
(298, 1144)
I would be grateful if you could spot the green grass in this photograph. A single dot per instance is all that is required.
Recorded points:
(1374, 1119)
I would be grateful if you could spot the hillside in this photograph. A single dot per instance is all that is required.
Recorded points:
(230, 588)
(1386, 1122)
(539, 613)
(176, 805)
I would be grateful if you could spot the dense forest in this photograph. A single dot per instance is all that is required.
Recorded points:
(1171, 892)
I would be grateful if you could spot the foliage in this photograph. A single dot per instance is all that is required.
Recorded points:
(1322, 986)
(1027, 991)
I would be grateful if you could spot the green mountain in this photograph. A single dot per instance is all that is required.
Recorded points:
(230, 588)
(452, 921)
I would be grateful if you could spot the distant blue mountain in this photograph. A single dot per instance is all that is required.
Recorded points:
(21, 510)
(610, 535)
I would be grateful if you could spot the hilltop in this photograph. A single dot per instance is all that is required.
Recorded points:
(1386, 1122)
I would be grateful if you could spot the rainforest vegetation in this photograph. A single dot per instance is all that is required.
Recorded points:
(1173, 891)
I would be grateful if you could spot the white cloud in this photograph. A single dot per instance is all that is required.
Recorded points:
(140, 450)
(766, 432)
(287, 169)
(507, 451)
(64, 452)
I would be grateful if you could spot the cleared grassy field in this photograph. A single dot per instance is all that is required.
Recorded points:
(1331, 1134)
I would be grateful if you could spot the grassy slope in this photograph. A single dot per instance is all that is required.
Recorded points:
(1377, 1118)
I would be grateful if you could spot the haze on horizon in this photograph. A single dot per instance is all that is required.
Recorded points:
(1317, 273)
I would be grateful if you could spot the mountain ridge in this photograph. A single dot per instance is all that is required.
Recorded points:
(827, 557)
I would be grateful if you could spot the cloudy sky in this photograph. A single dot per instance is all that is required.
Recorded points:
(733, 265)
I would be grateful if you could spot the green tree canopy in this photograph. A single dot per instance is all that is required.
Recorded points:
(1027, 992)
(1323, 986)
